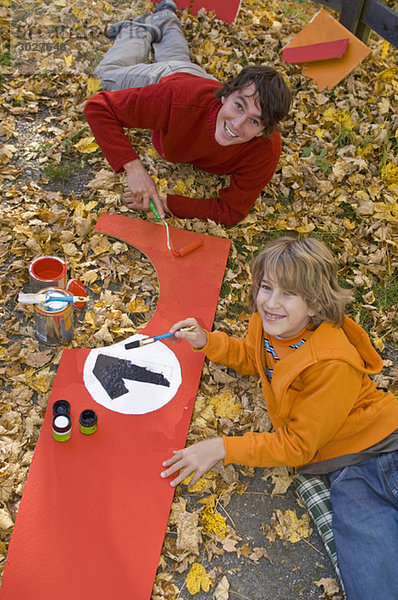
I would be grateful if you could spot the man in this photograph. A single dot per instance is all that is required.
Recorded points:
(228, 129)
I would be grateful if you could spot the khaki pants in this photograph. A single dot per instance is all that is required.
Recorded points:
(126, 64)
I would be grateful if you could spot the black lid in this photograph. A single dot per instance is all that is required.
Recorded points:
(61, 407)
(88, 418)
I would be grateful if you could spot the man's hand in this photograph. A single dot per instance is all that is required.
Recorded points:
(198, 458)
(197, 338)
(140, 187)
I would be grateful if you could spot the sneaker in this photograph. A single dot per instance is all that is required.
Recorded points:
(166, 5)
(114, 30)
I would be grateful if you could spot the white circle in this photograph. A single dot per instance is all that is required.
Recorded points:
(140, 397)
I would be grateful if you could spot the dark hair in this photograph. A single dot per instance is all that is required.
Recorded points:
(273, 93)
(305, 267)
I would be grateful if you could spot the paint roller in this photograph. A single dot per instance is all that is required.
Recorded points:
(185, 249)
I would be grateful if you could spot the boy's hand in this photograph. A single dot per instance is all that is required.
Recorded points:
(140, 187)
(197, 338)
(198, 458)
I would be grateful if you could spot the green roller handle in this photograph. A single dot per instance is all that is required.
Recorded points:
(153, 208)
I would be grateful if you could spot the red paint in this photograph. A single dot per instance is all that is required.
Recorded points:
(225, 10)
(94, 510)
(76, 287)
(313, 52)
(47, 270)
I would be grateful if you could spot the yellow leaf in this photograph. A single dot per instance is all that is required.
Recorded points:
(197, 579)
(305, 228)
(86, 145)
(137, 306)
(388, 75)
(79, 14)
(40, 383)
(93, 85)
(121, 330)
(81, 209)
(152, 152)
(378, 343)
(180, 187)
(291, 528)
(213, 522)
(89, 318)
(338, 116)
(320, 132)
(89, 276)
(384, 49)
(68, 60)
(225, 406)
(389, 173)
(203, 484)
(348, 224)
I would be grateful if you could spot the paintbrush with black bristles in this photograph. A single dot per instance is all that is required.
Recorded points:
(155, 338)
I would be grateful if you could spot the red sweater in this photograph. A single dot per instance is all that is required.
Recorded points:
(182, 110)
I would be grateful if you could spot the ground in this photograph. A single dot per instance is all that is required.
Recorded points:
(337, 180)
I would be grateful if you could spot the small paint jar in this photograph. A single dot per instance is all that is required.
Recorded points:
(62, 427)
(88, 421)
(61, 407)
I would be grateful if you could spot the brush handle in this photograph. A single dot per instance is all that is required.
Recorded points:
(162, 337)
(66, 299)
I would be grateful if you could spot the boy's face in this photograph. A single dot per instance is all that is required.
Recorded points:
(282, 312)
(239, 118)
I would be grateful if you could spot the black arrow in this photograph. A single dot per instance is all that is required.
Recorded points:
(110, 372)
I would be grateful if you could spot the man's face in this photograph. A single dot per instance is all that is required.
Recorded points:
(239, 118)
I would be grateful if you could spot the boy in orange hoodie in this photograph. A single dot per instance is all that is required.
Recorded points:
(328, 416)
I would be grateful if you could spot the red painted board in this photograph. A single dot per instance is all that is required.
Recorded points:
(324, 28)
(313, 52)
(225, 10)
(94, 511)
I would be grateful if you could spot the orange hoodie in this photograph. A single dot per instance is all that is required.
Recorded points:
(321, 401)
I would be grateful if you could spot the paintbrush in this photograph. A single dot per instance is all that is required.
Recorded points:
(44, 298)
(155, 338)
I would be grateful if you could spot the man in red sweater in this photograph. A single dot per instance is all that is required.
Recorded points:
(228, 129)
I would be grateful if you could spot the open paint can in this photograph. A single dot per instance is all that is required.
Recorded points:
(88, 421)
(47, 271)
(54, 319)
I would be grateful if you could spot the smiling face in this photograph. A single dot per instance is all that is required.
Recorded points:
(283, 313)
(239, 118)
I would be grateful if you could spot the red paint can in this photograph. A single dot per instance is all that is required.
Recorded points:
(47, 271)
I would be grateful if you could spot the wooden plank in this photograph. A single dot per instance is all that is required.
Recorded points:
(335, 4)
(313, 52)
(382, 20)
(362, 16)
(350, 15)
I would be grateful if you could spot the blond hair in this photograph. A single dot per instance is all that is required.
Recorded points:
(307, 268)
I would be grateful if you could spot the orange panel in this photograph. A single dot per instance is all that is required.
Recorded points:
(94, 510)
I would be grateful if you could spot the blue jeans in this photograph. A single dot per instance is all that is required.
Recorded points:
(364, 499)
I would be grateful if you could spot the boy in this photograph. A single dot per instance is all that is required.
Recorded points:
(229, 129)
(328, 417)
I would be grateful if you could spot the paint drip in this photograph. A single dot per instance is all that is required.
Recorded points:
(62, 427)
(88, 421)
